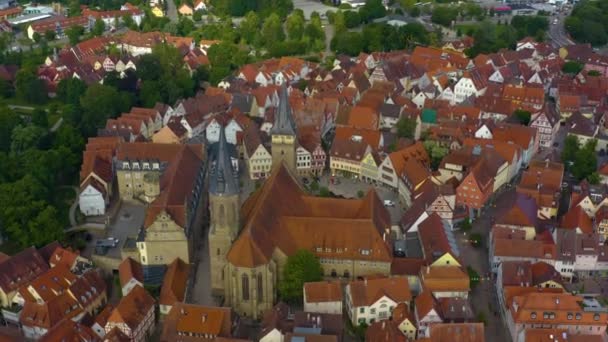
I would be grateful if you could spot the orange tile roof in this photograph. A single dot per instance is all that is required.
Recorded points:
(306, 222)
(363, 117)
(424, 303)
(415, 151)
(50, 313)
(323, 291)
(49, 284)
(385, 330)
(129, 269)
(69, 331)
(370, 136)
(457, 332)
(560, 308)
(559, 335)
(575, 218)
(132, 308)
(444, 278)
(174, 283)
(64, 257)
(524, 248)
(185, 319)
(402, 312)
(367, 292)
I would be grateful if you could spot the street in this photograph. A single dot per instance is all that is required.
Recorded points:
(557, 32)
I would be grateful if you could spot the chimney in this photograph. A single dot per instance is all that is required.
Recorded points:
(365, 281)
(204, 318)
(384, 236)
(383, 324)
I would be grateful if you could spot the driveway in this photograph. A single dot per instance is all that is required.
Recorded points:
(126, 224)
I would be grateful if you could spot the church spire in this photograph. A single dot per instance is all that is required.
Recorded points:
(283, 121)
(223, 179)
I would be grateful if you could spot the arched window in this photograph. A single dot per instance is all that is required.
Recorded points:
(245, 286)
(222, 215)
(260, 287)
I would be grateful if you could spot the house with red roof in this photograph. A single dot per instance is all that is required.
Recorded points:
(134, 315)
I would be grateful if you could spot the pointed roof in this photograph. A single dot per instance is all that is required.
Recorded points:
(223, 177)
(283, 121)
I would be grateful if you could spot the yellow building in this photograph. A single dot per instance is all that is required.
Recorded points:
(369, 166)
(158, 12)
(169, 178)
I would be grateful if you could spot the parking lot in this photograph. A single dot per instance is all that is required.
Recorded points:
(125, 224)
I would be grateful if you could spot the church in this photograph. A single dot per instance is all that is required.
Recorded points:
(249, 244)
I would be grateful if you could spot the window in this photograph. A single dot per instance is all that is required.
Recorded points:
(361, 310)
(218, 252)
(260, 287)
(372, 311)
(222, 215)
(245, 286)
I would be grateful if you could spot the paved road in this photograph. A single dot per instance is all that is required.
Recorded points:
(172, 11)
(557, 32)
(483, 297)
(329, 35)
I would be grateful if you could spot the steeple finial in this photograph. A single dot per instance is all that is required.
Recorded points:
(283, 121)
(223, 180)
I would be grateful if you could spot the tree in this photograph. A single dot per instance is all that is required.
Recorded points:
(39, 118)
(585, 161)
(593, 73)
(8, 121)
(197, 16)
(127, 21)
(406, 128)
(572, 67)
(148, 67)
(444, 15)
(350, 43)
(436, 152)
(372, 9)
(69, 90)
(37, 37)
(301, 267)
(352, 19)
(295, 25)
(26, 137)
(98, 28)
(473, 277)
(5, 89)
(523, 116)
(73, 33)
(185, 26)
(569, 151)
(272, 30)
(99, 103)
(149, 93)
(49, 35)
(29, 87)
(250, 28)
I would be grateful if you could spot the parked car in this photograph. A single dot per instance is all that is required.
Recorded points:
(389, 203)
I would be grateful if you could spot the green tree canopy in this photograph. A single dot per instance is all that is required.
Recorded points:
(523, 116)
(572, 67)
(29, 87)
(272, 30)
(406, 128)
(301, 267)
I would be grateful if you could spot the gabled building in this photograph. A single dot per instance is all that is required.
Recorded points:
(134, 315)
(371, 300)
(546, 122)
(542, 181)
(175, 285)
(130, 274)
(197, 323)
(323, 297)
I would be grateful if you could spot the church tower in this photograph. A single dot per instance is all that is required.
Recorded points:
(224, 211)
(283, 133)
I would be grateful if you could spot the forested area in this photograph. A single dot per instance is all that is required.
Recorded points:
(588, 22)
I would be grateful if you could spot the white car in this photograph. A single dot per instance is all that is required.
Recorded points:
(389, 203)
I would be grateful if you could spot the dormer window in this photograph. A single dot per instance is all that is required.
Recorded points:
(569, 316)
(596, 317)
(135, 166)
(146, 166)
(155, 166)
(319, 249)
(125, 165)
(365, 252)
(533, 315)
(327, 250)
(578, 316)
